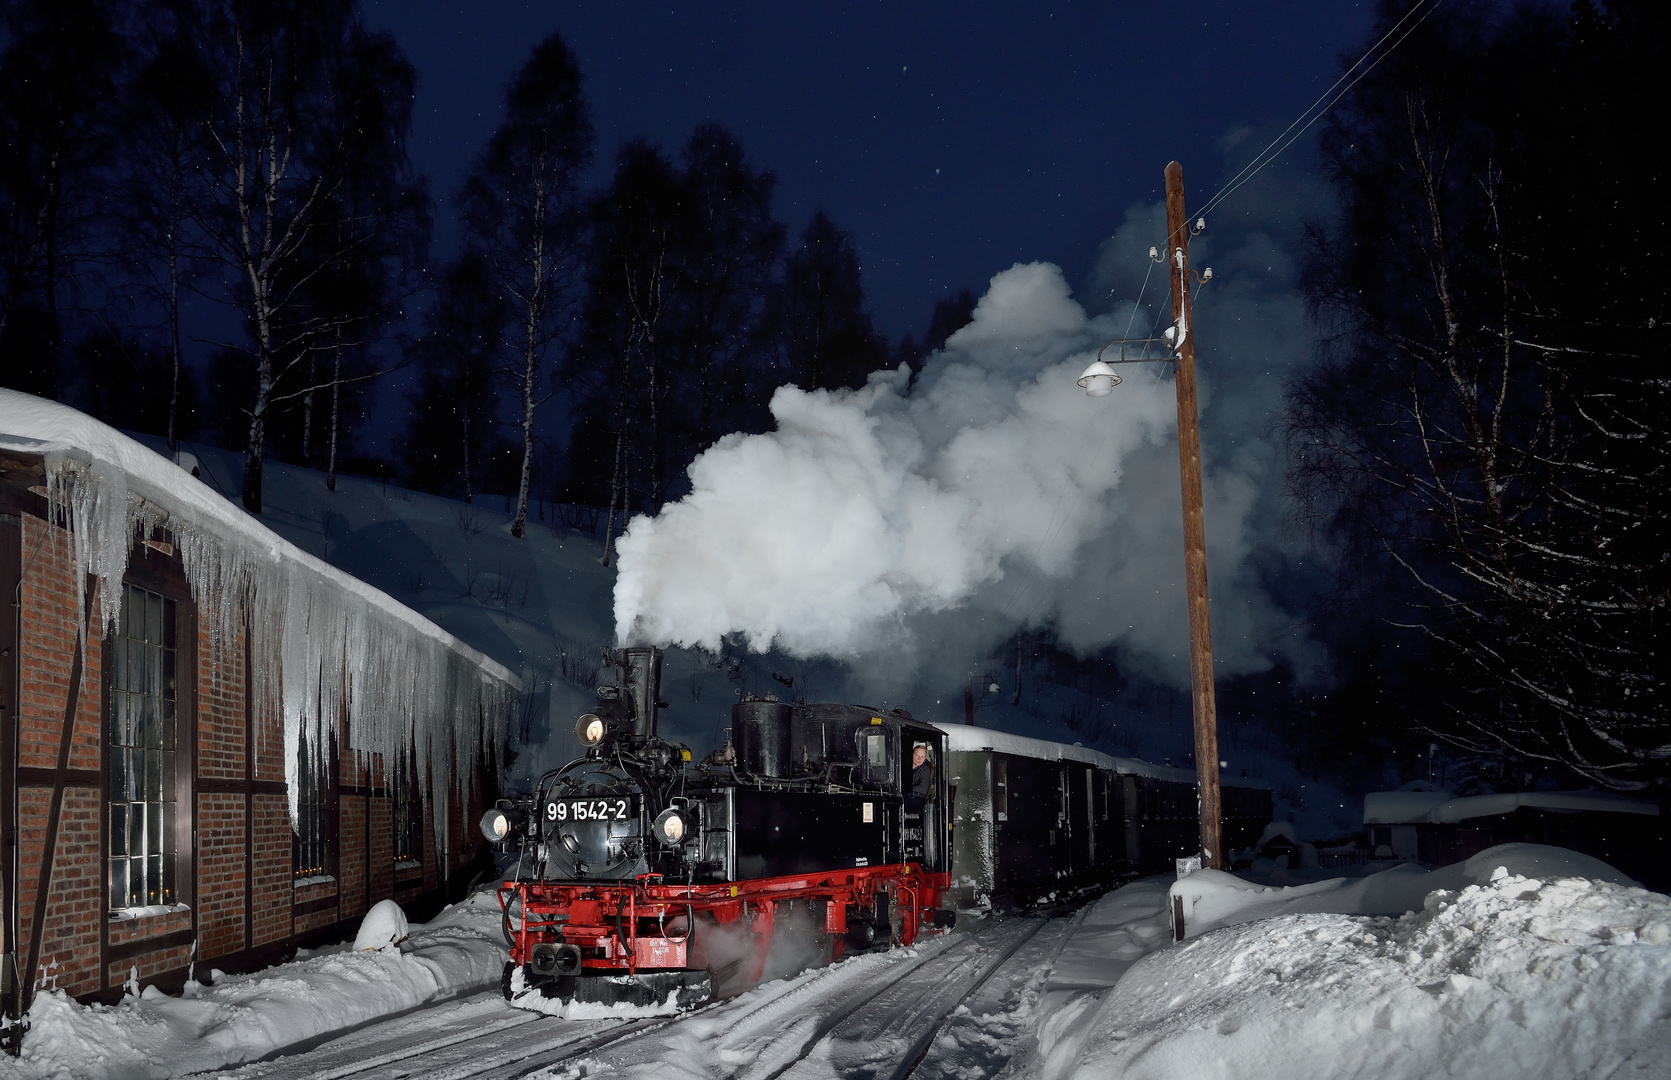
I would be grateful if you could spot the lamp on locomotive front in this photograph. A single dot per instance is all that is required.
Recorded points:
(1099, 379)
(590, 729)
(670, 827)
(495, 826)
(499, 822)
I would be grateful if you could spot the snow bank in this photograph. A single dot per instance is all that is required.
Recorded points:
(384, 927)
(1212, 899)
(1517, 977)
(1122, 928)
(245, 1017)
(340, 645)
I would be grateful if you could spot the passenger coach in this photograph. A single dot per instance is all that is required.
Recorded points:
(1030, 817)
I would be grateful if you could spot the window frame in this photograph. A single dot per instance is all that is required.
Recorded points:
(154, 568)
(326, 813)
(406, 814)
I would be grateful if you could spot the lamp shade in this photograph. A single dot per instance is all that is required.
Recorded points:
(1099, 379)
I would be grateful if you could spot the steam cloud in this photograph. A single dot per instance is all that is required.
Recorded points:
(901, 527)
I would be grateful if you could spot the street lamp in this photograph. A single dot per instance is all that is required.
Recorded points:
(1099, 380)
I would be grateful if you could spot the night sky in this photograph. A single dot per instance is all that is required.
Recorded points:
(951, 139)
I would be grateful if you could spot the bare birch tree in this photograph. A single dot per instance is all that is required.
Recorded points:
(286, 146)
(522, 209)
(640, 240)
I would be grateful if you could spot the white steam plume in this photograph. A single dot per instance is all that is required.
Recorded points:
(897, 527)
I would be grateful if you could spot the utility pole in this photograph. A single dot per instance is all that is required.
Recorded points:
(1195, 533)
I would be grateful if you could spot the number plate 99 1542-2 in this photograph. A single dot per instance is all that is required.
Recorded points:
(607, 808)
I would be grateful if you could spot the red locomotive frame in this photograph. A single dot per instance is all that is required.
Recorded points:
(606, 919)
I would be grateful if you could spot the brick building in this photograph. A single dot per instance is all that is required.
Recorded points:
(213, 746)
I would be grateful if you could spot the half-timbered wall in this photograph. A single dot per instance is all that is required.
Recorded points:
(239, 904)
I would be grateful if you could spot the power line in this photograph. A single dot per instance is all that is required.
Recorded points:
(1268, 155)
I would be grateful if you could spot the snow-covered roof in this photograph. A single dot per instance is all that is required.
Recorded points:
(962, 737)
(36, 426)
(330, 644)
(1437, 807)
(1396, 807)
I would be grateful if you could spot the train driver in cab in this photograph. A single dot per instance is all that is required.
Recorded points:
(922, 774)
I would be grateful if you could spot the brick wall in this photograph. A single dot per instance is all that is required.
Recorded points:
(220, 874)
(48, 645)
(271, 912)
(236, 847)
(220, 708)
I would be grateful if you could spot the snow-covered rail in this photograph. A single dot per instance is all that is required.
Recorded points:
(876, 1015)
(887, 1034)
(470, 1040)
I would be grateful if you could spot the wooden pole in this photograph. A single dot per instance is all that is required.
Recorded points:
(1195, 533)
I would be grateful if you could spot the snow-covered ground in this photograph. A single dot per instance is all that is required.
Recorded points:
(242, 1018)
(1524, 962)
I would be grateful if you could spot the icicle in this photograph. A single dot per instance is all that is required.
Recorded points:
(323, 645)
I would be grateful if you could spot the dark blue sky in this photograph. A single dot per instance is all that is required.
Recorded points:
(951, 139)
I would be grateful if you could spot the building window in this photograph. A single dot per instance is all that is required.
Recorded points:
(408, 827)
(314, 829)
(143, 740)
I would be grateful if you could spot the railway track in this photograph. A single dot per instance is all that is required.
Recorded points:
(886, 1035)
(875, 1017)
(476, 1039)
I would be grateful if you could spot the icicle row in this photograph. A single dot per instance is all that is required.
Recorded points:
(340, 650)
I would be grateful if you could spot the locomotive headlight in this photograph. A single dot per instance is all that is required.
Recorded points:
(590, 729)
(495, 826)
(670, 827)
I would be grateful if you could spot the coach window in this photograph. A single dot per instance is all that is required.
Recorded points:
(1000, 789)
(143, 727)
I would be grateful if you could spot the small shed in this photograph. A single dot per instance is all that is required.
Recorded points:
(214, 746)
(1438, 828)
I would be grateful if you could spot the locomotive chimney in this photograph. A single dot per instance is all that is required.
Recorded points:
(641, 682)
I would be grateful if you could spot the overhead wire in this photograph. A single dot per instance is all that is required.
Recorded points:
(1267, 155)
(1286, 139)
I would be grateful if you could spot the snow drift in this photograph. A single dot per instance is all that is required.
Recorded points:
(1512, 978)
(994, 489)
(242, 1018)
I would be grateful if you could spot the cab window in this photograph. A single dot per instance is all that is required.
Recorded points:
(875, 756)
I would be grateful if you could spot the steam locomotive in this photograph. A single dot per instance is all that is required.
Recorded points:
(642, 878)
